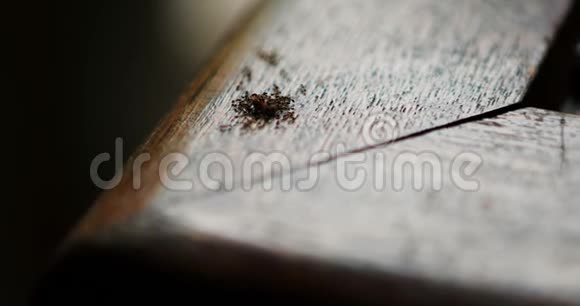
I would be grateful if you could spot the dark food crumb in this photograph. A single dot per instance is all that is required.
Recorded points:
(257, 110)
(270, 57)
(302, 89)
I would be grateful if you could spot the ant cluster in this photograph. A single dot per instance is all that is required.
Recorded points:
(254, 111)
(257, 110)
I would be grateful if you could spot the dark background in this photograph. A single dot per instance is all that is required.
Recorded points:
(83, 73)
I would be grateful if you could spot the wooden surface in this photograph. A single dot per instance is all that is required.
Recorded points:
(421, 64)
(380, 77)
(518, 231)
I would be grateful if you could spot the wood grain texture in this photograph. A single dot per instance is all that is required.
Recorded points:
(374, 72)
(517, 233)
(422, 64)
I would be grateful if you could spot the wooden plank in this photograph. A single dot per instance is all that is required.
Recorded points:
(516, 232)
(373, 72)
(454, 60)
(513, 240)
(407, 66)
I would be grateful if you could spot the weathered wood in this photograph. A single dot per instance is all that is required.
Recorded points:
(412, 65)
(517, 232)
(513, 240)
(374, 72)
(420, 63)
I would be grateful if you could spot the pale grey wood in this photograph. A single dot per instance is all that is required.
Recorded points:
(375, 72)
(421, 63)
(518, 233)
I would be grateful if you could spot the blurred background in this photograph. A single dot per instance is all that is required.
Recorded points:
(87, 72)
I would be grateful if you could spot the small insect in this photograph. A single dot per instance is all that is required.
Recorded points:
(246, 76)
(271, 57)
(240, 86)
(302, 89)
(276, 90)
(225, 128)
(247, 73)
